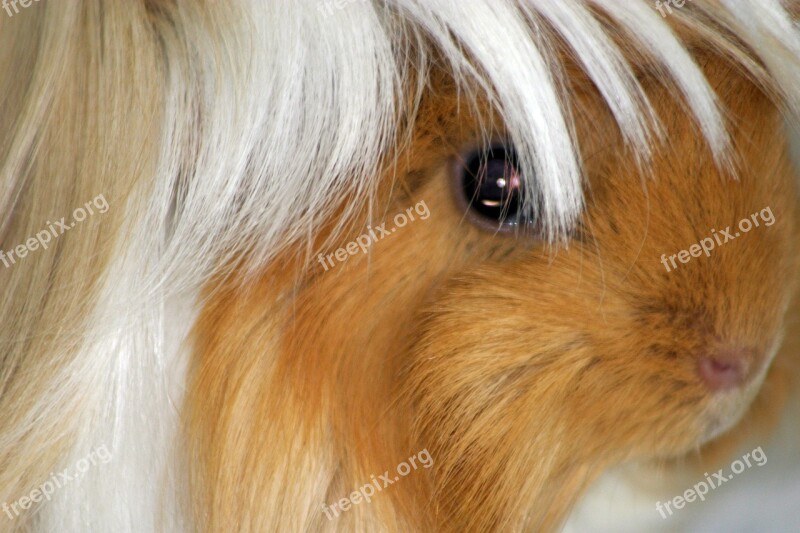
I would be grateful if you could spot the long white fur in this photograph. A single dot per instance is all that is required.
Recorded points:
(274, 111)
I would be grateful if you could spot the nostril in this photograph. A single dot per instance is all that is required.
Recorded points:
(724, 371)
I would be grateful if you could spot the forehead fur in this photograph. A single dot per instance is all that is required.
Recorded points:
(327, 111)
(513, 54)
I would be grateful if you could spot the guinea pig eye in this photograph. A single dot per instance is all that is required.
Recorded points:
(489, 185)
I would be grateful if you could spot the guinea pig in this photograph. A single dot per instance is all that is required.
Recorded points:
(390, 266)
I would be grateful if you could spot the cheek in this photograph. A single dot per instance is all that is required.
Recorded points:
(538, 348)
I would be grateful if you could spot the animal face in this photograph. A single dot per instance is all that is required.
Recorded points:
(563, 335)
(465, 333)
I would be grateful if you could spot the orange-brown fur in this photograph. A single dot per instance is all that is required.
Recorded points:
(524, 370)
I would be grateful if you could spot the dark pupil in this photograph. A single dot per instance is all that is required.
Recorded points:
(491, 184)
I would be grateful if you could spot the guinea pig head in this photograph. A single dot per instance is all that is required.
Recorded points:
(525, 367)
(647, 335)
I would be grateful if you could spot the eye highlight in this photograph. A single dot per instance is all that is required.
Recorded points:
(488, 184)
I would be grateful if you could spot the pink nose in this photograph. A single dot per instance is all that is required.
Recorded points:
(725, 370)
